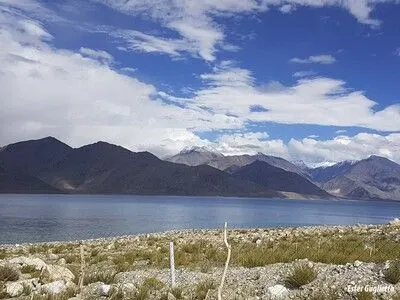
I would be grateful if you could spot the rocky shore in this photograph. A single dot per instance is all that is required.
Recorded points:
(336, 262)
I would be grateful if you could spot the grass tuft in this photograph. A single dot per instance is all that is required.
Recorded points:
(202, 289)
(392, 274)
(300, 276)
(8, 273)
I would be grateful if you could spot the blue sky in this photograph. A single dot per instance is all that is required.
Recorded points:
(312, 80)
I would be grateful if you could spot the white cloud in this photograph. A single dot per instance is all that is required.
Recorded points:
(287, 8)
(250, 143)
(195, 21)
(310, 150)
(48, 91)
(323, 101)
(346, 148)
(325, 59)
(340, 131)
(397, 52)
(304, 74)
(99, 55)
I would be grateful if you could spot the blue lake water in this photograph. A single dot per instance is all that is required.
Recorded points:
(32, 218)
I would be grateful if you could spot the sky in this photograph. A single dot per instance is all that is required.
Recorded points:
(310, 80)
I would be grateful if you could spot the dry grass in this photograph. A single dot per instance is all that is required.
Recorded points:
(329, 249)
(102, 275)
(202, 289)
(392, 274)
(300, 275)
(365, 296)
(7, 273)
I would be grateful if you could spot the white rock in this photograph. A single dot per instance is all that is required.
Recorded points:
(357, 263)
(62, 261)
(28, 261)
(278, 291)
(52, 256)
(14, 289)
(53, 272)
(171, 296)
(104, 289)
(395, 222)
(128, 288)
(54, 288)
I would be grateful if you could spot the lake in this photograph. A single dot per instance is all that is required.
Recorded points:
(33, 218)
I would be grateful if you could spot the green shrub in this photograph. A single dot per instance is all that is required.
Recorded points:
(300, 275)
(392, 274)
(8, 273)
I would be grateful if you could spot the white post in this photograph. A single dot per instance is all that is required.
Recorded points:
(172, 263)
(221, 286)
(81, 279)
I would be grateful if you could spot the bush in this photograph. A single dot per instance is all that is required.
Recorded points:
(8, 273)
(300, 276)
(392, 274)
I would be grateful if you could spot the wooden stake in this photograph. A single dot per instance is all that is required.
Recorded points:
(172, 263)
(221, 286)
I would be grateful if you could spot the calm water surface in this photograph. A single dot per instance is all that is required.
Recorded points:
(32, 218)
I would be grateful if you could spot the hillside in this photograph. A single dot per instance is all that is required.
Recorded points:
(372, 178)
(108, 169)
(198, 156)
(274, 178)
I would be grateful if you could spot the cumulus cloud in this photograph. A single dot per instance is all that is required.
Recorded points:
(325, 101)
(346, 148)
(48, 91)
(324, 59)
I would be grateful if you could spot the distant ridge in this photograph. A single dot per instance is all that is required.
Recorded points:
(278, 179)
(50, 166)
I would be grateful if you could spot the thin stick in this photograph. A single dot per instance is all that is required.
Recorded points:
(172, 263)
(80, 284)
(221, 286)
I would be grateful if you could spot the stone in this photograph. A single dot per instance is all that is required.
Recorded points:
(357, 263)
(53, 273)
(278, 291)
(14, 289)
(104, 289)
(395, 222)
(62, 261)
(54, 288)
(171, 296)
(128, 288)
(52, 256)
(28, 261)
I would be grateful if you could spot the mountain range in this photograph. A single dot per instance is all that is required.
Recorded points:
(50, 166)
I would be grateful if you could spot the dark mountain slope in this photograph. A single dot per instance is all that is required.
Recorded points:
(274, 178)
(33, 156)
(372, 178)
(106, 168)
(11, 182)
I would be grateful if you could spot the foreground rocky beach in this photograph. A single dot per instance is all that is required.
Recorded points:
(337, 262)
